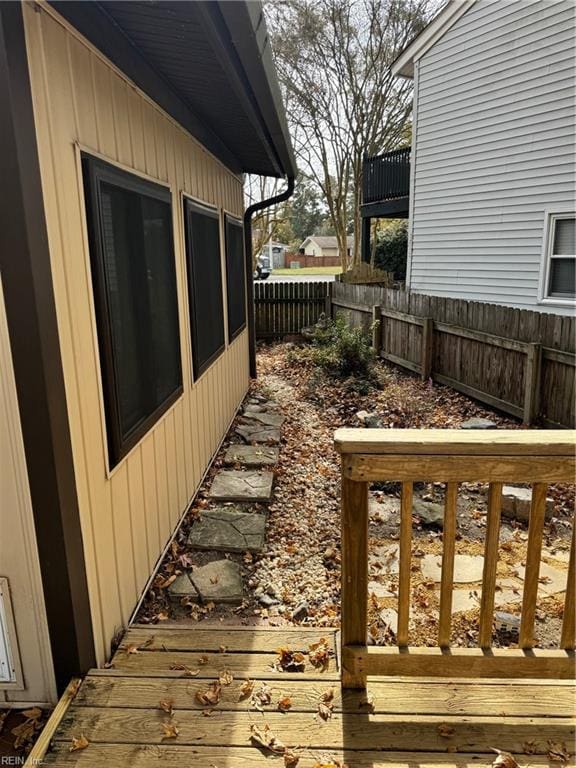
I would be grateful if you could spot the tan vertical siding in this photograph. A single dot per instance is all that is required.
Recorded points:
(128, 515)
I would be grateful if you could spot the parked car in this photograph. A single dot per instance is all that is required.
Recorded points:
(263, 268)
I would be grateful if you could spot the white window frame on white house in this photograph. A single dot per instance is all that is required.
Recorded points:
(550, 219)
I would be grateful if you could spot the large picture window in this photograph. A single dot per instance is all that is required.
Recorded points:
(235, 277)
(133, 271)
(204, 284)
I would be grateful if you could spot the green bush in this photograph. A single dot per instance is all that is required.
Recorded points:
(392, 249)
(342, 350)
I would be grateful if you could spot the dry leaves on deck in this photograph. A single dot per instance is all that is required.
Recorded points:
(170, 730)
(558, 752)
(265, 738)
(246, 689)
(80, 742)
(187, 671)
(211, 696)
(291, 760)
(167, 705)
(25, 733)
(504, 759)
(326, 704)
(290, 661)
(226, 677)
(319, 654)
(284, 704)
(261, 696)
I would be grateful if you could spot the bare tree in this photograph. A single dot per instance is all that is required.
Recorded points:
(333, 59)
(267, 222)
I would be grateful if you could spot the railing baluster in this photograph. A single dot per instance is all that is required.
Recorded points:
(569, 623)
(532, 572)
(490, 563)
(447, 585)
(354, 580)
(405, 563)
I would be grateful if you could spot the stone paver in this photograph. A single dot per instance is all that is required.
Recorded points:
(240, 485)
(551, 579)
(467, 568)
(478, 424)
(182, 587)
(390, 617)
(268, 419)
(251, 455)
(229, 529)
(380, 590)
(259, 433)
(516, 503)
(218, 582)
(464, 600)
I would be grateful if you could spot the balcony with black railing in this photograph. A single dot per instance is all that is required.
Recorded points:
(386, 184)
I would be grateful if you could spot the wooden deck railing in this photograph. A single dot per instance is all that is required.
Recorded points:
(451, 456)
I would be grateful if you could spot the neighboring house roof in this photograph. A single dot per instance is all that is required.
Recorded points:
(326, 241)
(432, 32)
(207, 64)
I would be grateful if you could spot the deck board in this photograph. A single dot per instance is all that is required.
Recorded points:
(424, 722)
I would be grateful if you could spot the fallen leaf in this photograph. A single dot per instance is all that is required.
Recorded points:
(284, 704)
(558, 752)
(367, 703)
(203, 660)
(170, 730)
(319, 654)
(211, 696)
(167, 705)
(290, 661)
(132, 648)
(265, 738)
(262, 696)
(222, 649)
(187, 671)
(79, 743)
(226, 677)
(290, 759)
(504, 759)
(246, 689)
(445, 730)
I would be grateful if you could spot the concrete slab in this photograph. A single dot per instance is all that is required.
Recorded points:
(259, 433)
(467, 568)
(251, 455)
(465, 600)
(218, 582)
(242, 485)
(551, 580)
(229, 529)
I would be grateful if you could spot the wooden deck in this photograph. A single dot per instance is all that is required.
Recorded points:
(411, 721)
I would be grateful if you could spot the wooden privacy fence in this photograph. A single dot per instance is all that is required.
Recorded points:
(451, 457)
(283, 309)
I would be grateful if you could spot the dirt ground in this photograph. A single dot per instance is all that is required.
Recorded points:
(301, 565)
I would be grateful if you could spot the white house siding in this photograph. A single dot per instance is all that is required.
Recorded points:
(494, 148)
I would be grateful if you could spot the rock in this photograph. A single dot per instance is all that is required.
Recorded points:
(507, 622)
(229, 529)
(372, 421)
(516, 503)
(361, 416)
(241, 485)
(268, 601)
(182, 587)
(251, 408)
(300, 612)
(251, 455)
(390, 617)
(268, 419)
(385, 559)
(478, 424)
(464, 600)
(380, 590)
(551, 580)
(429, 513)
(467, 568)
(259, 433)
(218, 582)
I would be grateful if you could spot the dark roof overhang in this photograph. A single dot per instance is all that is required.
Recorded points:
(207, 64)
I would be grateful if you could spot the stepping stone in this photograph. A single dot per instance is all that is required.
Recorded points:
(385, 559)
(182, 587)
(239, 485)
(464, 600)
(256, 433)
(218, 582)
(229, 529)
(254, 408)
(390, 617)
(268, 419)
(478, 424)
(516, 503)
(551, 580)
(251, 455)
(380, 590)
(467, 568)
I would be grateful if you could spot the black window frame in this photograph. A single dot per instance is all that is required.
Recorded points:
(190, 205)
(95, 172)
(230, 220)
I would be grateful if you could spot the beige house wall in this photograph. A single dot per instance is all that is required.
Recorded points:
(82, 102)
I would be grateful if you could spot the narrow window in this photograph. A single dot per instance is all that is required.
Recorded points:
(235, 277)
(561, 272)
(134, 281)
(204, 284)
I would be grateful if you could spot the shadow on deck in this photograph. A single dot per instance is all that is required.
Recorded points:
(397, 721)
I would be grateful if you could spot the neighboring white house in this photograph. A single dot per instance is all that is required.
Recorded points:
(492, 192)
(323, 245)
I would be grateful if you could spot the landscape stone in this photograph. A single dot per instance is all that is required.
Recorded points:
(429, 512)
(467, 568)
(390, 617)
(251, 455)
(551, 580)
(182, 587)
(218, 582)
(478, 424)
(464, 600)
(516, 503)
(242, 485)
(267, 601)
(229, 529)
(380, 590)
(385, 559)
(268, 419)
(254, 408)
(300, 612)
(256, 433)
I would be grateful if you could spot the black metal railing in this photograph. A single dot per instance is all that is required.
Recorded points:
(387, 176)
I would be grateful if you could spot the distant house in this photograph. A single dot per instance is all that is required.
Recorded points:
(125, 327)
(492, 193)
(324, 246)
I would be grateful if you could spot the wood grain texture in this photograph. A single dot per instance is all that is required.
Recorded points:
(569, 622)
(447, 576)
(490, 565)
(405, 563)
(533, 556)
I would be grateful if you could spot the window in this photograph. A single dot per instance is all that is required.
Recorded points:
(133, 272)
(236, 277)
(560, 259)
(204, 284)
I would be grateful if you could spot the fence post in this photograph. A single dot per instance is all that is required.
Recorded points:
(532, 382)
(376, 329)
(328, 302)
(427, 347)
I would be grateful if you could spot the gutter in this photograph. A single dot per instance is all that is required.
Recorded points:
(249, 268)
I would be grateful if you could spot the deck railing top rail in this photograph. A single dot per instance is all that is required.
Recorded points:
(387, 176)
(452, 456)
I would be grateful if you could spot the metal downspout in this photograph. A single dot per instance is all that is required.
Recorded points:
(249, 269)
